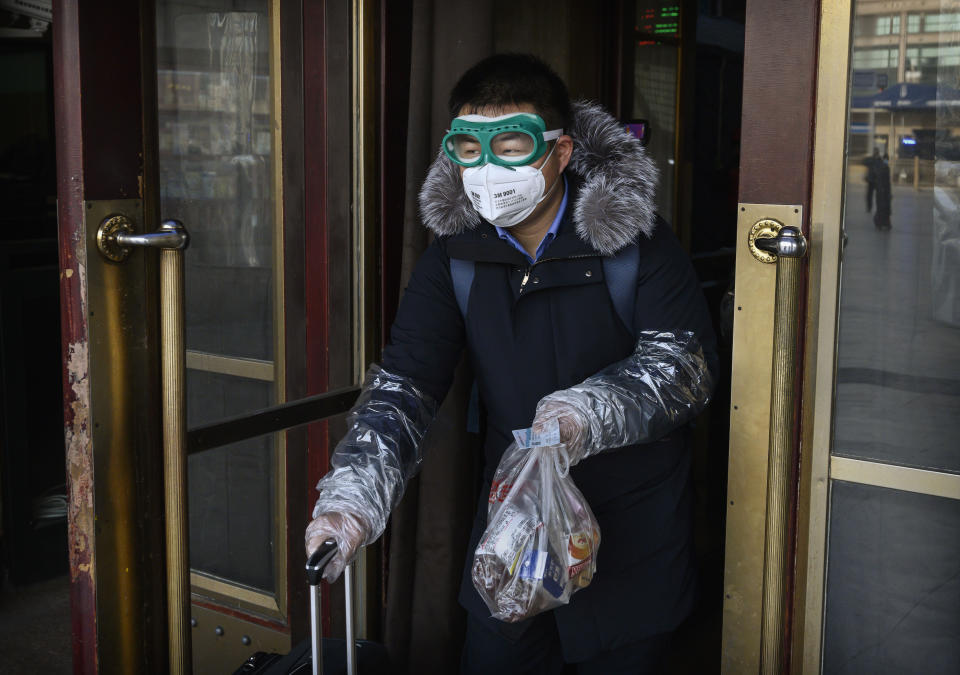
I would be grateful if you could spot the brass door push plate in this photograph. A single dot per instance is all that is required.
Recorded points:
(750, 392)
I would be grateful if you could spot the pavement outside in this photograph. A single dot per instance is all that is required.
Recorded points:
(893, 577)
(898, 367)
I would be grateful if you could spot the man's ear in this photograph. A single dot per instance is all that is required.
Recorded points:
(563, 151)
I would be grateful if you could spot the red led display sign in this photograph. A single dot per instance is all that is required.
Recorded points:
(657, 20)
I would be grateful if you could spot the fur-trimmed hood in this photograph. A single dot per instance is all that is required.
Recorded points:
(615, 202)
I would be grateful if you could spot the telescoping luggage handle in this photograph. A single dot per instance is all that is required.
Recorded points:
(315, 565)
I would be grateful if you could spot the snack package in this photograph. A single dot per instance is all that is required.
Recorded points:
(541, 541)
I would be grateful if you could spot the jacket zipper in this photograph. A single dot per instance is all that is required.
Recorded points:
(529, 270)
(526, 278)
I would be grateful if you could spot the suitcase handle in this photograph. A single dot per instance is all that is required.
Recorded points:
(318, 561)
(316, 564)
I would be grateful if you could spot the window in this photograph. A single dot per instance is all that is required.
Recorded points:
(934, 63)
(913, 23)
(941, 23)
(887, 25)
(883, 57)
(873, 25)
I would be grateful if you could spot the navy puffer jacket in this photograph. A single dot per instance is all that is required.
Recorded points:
(558, 329)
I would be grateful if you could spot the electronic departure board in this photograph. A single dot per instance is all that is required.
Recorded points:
(657, 20)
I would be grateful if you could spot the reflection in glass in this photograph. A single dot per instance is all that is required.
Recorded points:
(898, 377)
(231, 489)
(216, 168)
(657, 53)
(216, 175)
(894, 588)
(655, 100)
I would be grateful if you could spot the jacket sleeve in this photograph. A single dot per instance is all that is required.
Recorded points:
(663, 385)
(669, 378)
(381, 450)
(669, 297)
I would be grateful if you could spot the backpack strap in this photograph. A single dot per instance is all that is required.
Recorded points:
(462, 273)
(621, 272)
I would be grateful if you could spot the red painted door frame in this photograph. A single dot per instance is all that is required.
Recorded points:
(104, 89)
(100, 151)
(320, 105)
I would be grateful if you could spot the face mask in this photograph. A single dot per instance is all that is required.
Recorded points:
(505, 196)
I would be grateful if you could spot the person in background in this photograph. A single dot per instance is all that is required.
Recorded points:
(534, 195)
(871, 163)
(881, 184)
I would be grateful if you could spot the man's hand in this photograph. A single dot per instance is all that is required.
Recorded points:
(346, 529)
(574, 428)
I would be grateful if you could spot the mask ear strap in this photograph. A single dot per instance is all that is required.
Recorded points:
(549, 155)
(553, 134)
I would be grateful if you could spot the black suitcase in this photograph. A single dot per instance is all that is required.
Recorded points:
(335, 656)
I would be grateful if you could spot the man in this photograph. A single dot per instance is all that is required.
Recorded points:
(871, 164)
(533, 202)
(881, 183)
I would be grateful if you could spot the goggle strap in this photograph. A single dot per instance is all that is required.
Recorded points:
(553, 134)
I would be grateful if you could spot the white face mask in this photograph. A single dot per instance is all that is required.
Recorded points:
(505, 196)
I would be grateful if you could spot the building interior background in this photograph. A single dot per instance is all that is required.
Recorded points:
(898, 372)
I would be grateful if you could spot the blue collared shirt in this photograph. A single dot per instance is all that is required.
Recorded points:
(547, 238)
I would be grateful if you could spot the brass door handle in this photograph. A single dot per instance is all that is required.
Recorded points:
(116, 237)
(789, 242)
(786, 247)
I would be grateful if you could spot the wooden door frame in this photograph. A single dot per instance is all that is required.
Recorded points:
(105, 97)
(118, 616)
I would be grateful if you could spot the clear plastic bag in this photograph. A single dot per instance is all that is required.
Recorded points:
(541, 541)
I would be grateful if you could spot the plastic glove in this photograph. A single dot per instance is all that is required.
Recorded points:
(663, 385)
(349, 531)
(574, 426)
(379, 453)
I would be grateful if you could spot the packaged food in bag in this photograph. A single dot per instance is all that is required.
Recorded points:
(541, 541)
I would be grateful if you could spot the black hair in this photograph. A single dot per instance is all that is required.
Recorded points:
(505, 79)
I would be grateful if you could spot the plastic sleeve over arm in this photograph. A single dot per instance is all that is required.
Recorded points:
(380, 451)
(663, 385)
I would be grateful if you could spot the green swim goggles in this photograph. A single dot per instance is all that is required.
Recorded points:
(508, 140)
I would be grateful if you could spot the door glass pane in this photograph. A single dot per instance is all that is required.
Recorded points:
(893, 580)
(898, 376)
(231, 493)
(657, 49)
(217, 168)
(894, 588)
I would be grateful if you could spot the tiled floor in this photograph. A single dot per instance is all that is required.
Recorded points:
(35, 629)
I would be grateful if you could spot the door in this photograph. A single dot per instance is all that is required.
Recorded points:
(849, 133)
(224, 116)
(218, 80)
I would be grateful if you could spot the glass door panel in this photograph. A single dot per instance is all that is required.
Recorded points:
(892, 588)
(218, 168)
(231, 488)
(898, 364)
(893, 591)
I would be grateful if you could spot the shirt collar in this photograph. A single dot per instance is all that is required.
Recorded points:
(548, 237)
